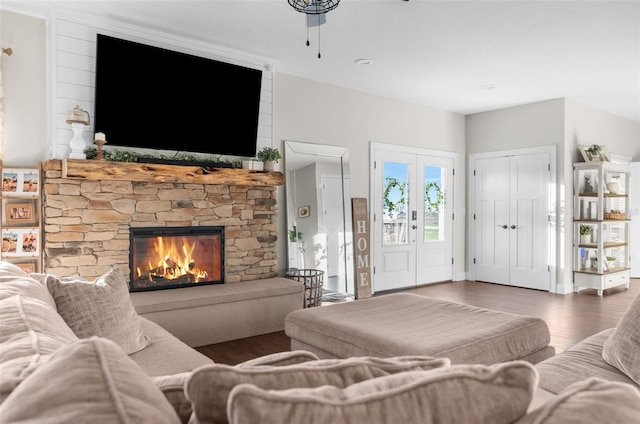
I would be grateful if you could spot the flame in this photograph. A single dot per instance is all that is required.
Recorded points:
(173, 261)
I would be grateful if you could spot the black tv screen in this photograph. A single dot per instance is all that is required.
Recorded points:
(154, 98)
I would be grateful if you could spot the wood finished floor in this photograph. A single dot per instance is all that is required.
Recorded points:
(570, 317)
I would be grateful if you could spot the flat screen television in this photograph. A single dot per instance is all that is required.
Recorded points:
(153, 98)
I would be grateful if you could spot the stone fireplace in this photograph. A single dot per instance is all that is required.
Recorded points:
(90, 208)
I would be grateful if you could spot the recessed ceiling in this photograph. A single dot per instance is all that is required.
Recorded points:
(443, 54)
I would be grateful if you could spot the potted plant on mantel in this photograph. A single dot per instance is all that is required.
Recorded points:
(269, 156)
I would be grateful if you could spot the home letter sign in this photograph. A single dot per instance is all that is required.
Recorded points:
(361, 247)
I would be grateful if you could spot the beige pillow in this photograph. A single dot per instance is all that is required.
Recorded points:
(592, 401)
(281, 358)
(621, 350)
(172, 386)
(210, 385)
(14, 281)
(89, 381)
(475, 394)
(102, 308)
(30, 331)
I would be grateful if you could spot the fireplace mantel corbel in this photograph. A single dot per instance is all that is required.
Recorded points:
(160, 173)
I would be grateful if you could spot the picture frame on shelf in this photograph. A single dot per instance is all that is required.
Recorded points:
(26, 266)
(588, 156)
(20, 242)
(20, 182)
(20, 213)
(9, 242)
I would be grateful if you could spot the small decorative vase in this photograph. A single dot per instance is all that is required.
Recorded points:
(585, 238)
(269, 165)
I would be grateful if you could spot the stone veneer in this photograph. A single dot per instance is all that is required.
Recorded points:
(86, 222)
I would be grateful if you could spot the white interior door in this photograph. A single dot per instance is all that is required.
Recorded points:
(529, 221)
(491, 215)
(511, 219)
(412, 218)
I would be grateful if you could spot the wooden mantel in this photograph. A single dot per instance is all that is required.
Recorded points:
(160, 173)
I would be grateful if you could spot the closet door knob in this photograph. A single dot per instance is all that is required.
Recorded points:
(503, 226)
(513, 227)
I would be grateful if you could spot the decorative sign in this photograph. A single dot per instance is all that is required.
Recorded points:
(361, 247)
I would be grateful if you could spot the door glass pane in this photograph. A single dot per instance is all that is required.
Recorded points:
(434, 198)
(395, 198)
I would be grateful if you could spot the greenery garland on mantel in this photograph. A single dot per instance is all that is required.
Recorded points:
(128, 156)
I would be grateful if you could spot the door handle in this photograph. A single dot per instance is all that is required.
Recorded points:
(502, 226)
(414, 226)
(513, 227)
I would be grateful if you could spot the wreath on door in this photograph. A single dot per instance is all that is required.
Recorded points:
(435, 200)
(389, 205)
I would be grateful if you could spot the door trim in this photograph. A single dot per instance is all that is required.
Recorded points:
(373, 147)
(552, 207)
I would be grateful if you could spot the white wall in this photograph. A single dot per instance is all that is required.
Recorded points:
(313, 112)
(25, 89)
(565, 124)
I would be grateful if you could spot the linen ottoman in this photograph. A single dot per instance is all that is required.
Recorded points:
(409, 324)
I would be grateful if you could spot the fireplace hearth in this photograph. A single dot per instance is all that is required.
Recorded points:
(175, 257)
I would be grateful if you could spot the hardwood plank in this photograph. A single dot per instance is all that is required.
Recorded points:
(570, 317)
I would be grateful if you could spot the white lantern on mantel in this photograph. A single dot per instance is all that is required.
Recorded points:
(78, 119)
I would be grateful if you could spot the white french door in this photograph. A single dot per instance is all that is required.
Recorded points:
(512, 219)
(412, 218)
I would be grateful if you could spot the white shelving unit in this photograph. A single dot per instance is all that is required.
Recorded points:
(601, 200)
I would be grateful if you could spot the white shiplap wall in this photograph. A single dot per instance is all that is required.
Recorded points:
(72, 73)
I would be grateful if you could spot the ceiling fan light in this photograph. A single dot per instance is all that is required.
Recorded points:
(316, 20)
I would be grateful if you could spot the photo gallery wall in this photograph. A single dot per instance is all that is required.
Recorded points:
(21, 235)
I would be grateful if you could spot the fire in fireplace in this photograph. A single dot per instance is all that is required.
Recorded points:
(172, 257)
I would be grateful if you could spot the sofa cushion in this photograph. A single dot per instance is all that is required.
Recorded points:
(101, 308)
(209, 386)
(622, 347)
(30, 332)
(166, 354)
(579, 362)
(459, 394)
(90, 380)
(592, 401)
(14, 281)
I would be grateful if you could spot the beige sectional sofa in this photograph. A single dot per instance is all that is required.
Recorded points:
(76, 351)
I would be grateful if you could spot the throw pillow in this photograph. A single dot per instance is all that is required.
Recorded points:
(102, 308)
(622, 347)
(590, 401)
(31, 331)
(476, 394)
(172, 386)
(14, 281)
(281, 358)
(210, 385)
(90, 380)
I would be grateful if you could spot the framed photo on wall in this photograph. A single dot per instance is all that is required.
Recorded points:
(304, 211)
